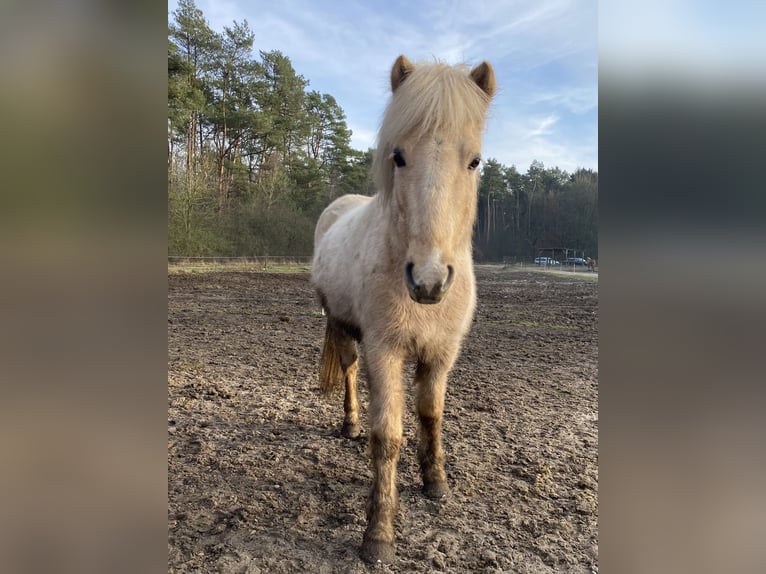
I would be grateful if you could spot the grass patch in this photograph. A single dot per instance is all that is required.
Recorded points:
(249, 267)
(568, 273)
(584, 275)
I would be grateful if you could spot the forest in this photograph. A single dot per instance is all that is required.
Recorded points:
(255, 155)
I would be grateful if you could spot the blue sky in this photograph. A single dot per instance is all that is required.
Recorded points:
(544, 52)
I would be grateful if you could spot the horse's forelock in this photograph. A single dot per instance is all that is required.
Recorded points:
(434, 98)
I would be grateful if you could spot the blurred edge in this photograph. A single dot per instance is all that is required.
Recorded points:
(82, 222)
(83, 247)
(683, 272)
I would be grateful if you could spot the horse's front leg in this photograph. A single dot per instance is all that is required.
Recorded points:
(431, 385)
(385, 414)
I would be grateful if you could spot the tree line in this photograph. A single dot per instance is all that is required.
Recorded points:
(519, 214)
(254, 156)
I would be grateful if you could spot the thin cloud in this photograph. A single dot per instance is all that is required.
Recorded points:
(576, 99)
(541, 138)
(541, 127)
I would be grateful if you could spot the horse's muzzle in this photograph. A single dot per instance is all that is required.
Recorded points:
(427, 294)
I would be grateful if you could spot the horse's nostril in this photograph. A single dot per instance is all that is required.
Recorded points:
(450, 277)
(410, 279)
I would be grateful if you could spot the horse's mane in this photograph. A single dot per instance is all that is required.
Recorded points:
(434, 98)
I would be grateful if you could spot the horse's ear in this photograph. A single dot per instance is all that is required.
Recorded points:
(402, 68)
(484, 76)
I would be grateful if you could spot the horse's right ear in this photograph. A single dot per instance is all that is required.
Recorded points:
(402, 68)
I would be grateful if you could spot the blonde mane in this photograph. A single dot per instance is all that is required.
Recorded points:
(435, 98)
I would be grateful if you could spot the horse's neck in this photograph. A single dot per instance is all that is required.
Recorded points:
(391, 237)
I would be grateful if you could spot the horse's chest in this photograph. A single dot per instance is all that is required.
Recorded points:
(420, 329)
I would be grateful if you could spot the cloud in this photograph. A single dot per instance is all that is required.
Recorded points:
(576, 99)
(551, 152)
(362, 138)
(541, 127)
(517, 139)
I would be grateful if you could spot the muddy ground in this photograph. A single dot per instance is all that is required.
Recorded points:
(260, 480)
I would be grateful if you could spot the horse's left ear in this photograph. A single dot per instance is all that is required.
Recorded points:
(484, 76)
(402, 68)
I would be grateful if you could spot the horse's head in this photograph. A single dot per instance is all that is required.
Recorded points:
(429, 148)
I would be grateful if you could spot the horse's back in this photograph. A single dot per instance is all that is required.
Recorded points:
(333, 211)
(337, 231)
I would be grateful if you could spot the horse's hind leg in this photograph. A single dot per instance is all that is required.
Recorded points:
(431, 385)
(339, 366)
(349, 362)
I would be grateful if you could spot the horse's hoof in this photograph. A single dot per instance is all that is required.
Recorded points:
(436, 490)
(351, 430)
(373, 551)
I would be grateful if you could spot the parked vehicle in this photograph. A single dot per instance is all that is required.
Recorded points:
(546, 261)
(575, 261)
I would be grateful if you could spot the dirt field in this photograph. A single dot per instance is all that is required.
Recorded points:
(260, 480)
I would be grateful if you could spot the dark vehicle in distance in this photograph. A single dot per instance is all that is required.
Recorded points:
(546, 261)
(575, 261)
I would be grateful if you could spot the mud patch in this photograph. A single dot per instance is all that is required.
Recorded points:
(260, 480)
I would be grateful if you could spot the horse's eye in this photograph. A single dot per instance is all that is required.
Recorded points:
(399, 158)
(475, 163)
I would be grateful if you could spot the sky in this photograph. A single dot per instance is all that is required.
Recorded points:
(544, 53)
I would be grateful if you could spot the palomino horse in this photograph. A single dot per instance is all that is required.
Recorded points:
(394, 272)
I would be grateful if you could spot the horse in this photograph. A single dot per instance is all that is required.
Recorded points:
(394, 274)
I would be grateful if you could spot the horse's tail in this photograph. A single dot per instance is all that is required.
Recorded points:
(330, 370)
